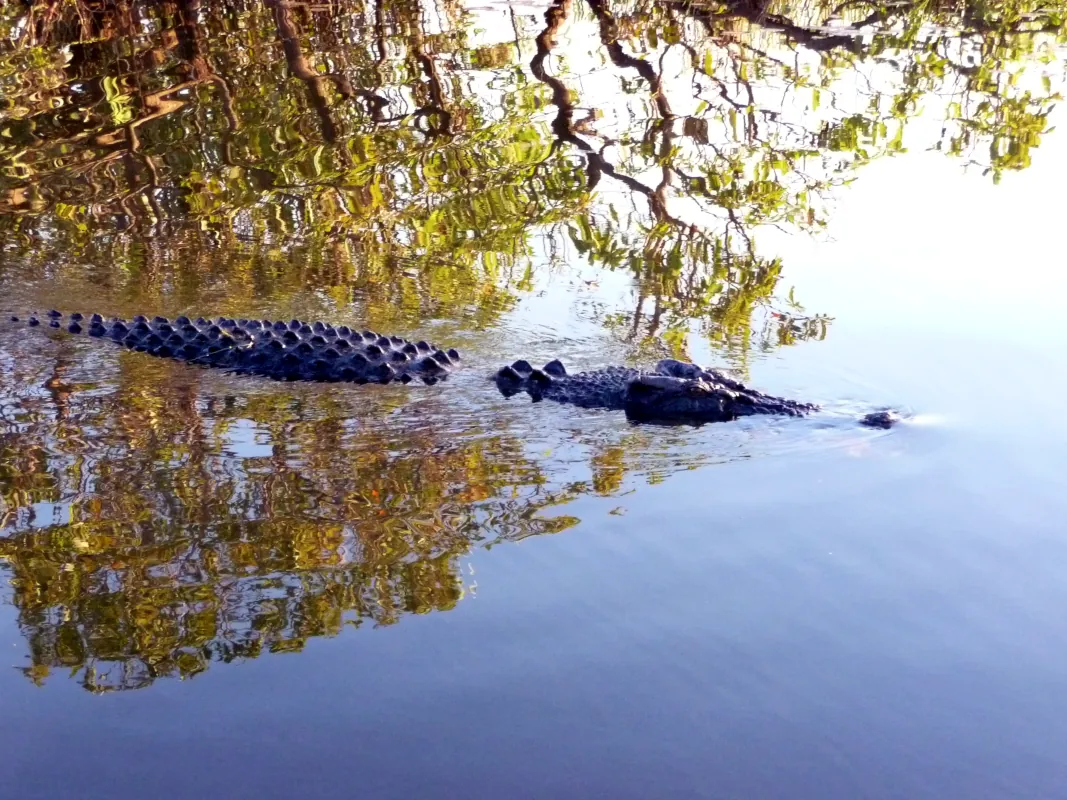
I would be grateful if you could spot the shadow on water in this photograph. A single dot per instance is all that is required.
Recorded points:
(412, 168)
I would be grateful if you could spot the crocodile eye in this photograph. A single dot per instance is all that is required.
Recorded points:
(646, 383)
(697, 387)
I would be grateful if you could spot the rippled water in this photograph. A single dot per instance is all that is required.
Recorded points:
(222, 586)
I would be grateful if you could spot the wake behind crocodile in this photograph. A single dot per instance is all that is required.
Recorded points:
(671, 392)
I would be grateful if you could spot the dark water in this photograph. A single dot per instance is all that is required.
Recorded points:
(220, 586)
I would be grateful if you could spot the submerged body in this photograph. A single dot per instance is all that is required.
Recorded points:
(673, 391)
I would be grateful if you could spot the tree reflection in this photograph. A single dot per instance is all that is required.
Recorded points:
(142, 544)
(392, 130)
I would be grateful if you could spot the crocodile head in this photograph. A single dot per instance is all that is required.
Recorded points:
(654, 396)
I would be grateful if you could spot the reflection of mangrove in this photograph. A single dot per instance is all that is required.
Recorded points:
(132, 603)
(168, 552)
(364, 132)
(128, 603)
(719, 283)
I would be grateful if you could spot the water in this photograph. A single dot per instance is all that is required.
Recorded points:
(222, 586)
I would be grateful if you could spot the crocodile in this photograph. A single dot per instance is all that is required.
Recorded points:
(295, 350)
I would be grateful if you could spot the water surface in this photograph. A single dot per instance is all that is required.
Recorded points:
(216, 585)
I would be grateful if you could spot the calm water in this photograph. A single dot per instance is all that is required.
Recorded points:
(216, 586)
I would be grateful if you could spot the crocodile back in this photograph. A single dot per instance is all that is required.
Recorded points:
(292, 350)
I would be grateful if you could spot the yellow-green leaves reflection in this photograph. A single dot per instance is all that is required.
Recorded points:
(658, 135)
(158, 527)
(123, 606)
